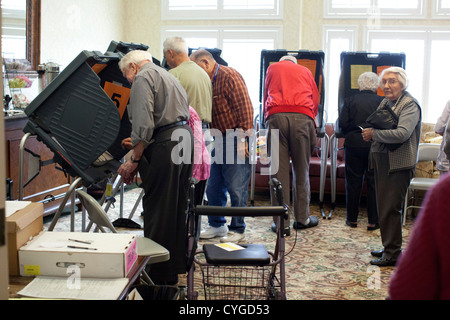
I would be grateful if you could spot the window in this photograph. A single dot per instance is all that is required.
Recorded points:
(241, 48)
(426, 63)
(182, 5)
(14, 29)
(441, 9)
(221, 9)
(336, 40)
(382, 9)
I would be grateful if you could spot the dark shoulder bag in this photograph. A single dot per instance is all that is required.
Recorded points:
(384, 118)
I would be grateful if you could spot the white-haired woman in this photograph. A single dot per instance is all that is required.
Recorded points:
(394, 166)
(352, 117)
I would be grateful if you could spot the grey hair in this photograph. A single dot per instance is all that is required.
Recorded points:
(402, 77)
(289, 58)
(135, 56)
(200, 54)
(368, 81)
(177, 44)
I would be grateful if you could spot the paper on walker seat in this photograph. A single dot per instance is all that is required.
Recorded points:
(230, 246)
(75, 289)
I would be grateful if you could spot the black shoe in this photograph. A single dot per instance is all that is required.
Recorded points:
(372, 228)
(351, 224)
(384, 262)
(377, 253)
(313, 221)
(287, 229)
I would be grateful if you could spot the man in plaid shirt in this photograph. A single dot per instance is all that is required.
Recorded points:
(232, 123)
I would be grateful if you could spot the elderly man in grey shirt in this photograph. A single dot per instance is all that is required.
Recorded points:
(158, 109)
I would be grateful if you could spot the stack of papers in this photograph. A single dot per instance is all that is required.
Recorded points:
(74, 288)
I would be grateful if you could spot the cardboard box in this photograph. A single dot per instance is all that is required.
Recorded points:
(21, 226)
(93, 255)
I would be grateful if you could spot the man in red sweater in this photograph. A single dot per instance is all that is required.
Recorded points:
(423, 269)
(291, 101)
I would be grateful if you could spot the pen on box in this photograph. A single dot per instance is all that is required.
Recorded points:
(82, 248)
(81, 241)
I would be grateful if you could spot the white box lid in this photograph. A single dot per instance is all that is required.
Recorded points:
(101, 242)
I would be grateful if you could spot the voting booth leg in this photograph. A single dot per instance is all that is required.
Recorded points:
(254, 159)
(323, 170)
(334, 151)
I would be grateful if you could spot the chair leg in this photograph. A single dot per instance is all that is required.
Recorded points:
(147, 278)
(405, 206)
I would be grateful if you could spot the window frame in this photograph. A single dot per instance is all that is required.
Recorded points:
(222, 14)
(351, 13)
(438, 12)
(428, 34)
(220, 31)
(352, 34)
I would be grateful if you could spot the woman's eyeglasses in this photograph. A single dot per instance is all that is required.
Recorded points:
(390, 81)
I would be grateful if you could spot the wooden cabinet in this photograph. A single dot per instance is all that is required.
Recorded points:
(47, 184)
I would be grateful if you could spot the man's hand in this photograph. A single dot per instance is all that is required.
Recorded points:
(242, 149)
(126, 144)
(128, 171)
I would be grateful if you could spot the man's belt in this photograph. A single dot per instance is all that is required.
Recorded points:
(169, 126)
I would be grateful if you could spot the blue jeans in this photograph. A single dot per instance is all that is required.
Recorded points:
(231, 177)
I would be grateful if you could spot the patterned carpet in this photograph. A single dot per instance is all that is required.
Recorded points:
(328, 262)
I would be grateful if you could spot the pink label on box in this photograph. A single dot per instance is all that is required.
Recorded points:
(131, 256)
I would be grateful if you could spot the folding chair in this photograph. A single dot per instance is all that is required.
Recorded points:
(427, 152)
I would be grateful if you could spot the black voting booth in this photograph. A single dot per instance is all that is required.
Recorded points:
(75, 118)
(216, 53)
(314, 61)
(353, 64)
(82, 113)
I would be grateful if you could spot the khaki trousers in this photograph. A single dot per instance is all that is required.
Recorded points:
(296, 141)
